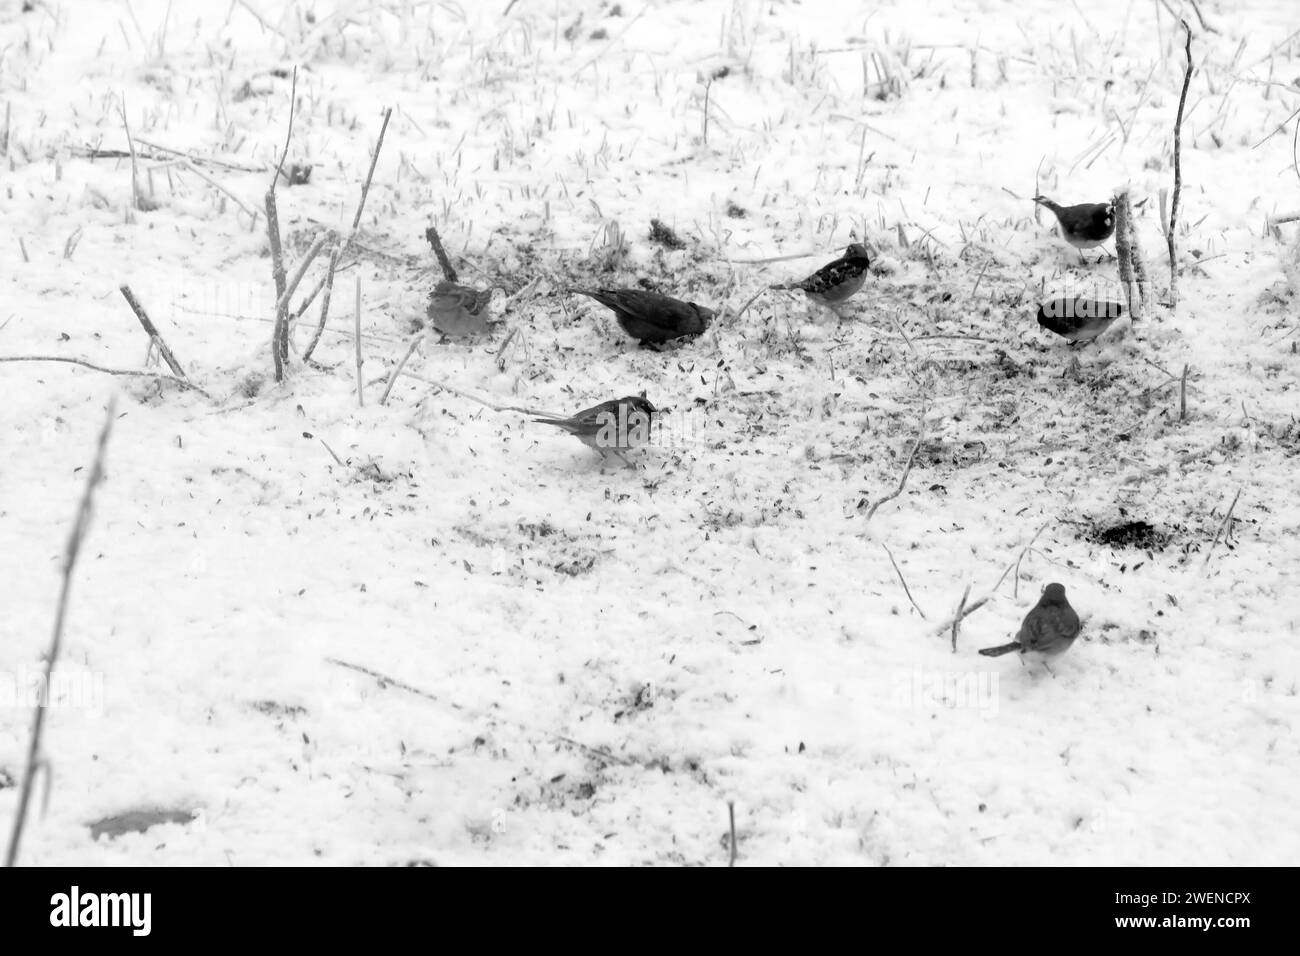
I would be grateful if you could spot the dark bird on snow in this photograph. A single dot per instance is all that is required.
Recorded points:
(1078, 319)
(836, 281)
(1084, 226)
(650, 317)
(1049, 628)
(612, 427)
(458, 311)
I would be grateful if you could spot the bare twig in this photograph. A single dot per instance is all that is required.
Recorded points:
(361, 400)
(80, 527)
(183, 382)
(731, 817)
(152, 331)
(902, 581)
(1178, 174)
(288, 133)
(1182, 395)
(387, 681)
(251, 210)
(1222, 524)
(280, 336)
(448, 270)
(1015, 586)
(392, 379)
(130, 144)
(907, 470)
(325, 301)
(956, 621)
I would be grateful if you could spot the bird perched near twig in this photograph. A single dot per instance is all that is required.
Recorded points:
(1084, 226)
(1049, 628)
(458, 311)
(612, 427)
(650, 317)
(1077, 319)
(836, 281)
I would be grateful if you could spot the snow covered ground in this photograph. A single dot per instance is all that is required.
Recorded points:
(593, 663)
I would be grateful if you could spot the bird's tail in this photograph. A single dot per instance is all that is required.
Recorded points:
(999, 651)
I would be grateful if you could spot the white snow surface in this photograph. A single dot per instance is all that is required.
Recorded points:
(589, 662)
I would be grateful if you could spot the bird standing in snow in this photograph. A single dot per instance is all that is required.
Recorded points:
(650, 317)
(612, 427)
(1084, 226)
(458, 311)
(1049, 628)
(1077, 319)
(836, 281)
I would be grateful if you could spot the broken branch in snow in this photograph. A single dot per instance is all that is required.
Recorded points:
(80, 526)
(182, 382)
(907, 470)
(903, 581)
(1178, 174)
(956, 621)
(152, 331)
(385, 680)
(392, 379)
(1222, 524)
(434, 240)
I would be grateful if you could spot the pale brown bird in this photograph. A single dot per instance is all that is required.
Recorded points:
(458, 311)
(612, 427)
(836, 281)
(1049, 628)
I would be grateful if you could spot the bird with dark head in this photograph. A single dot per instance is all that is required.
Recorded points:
(458, 311)
(836, 281)
(612, 427)
(1078, 319)
(1049, 628)
(650, 317)
(1084, 226)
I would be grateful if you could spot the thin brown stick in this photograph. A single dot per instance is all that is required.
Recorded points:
(907, 470)
(291, 285)
(325, 301)
(327, 283)
(448, 270)
(956, 621)
(152, 331)
(1182, 395)
(1222, 524)
(288, 132)
(183, 382)
(731, 817)
(386, 681)
(130, 144)
(1015, 586)
(356, 315)
(966, 612)
(1178, 174)
(902, 580)
(392, 379)
(279, 337)
(80, 527)
(251, 210)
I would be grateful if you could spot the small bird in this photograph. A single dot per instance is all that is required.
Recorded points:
(458, 311)
(650, 317)
(1049, 628)
(612, 427)
(836, 281)
(1077, 319)
(1084, 226)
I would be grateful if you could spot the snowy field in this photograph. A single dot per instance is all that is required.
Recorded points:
(583, 663)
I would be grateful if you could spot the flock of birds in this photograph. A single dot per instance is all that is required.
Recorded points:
(615, 427)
